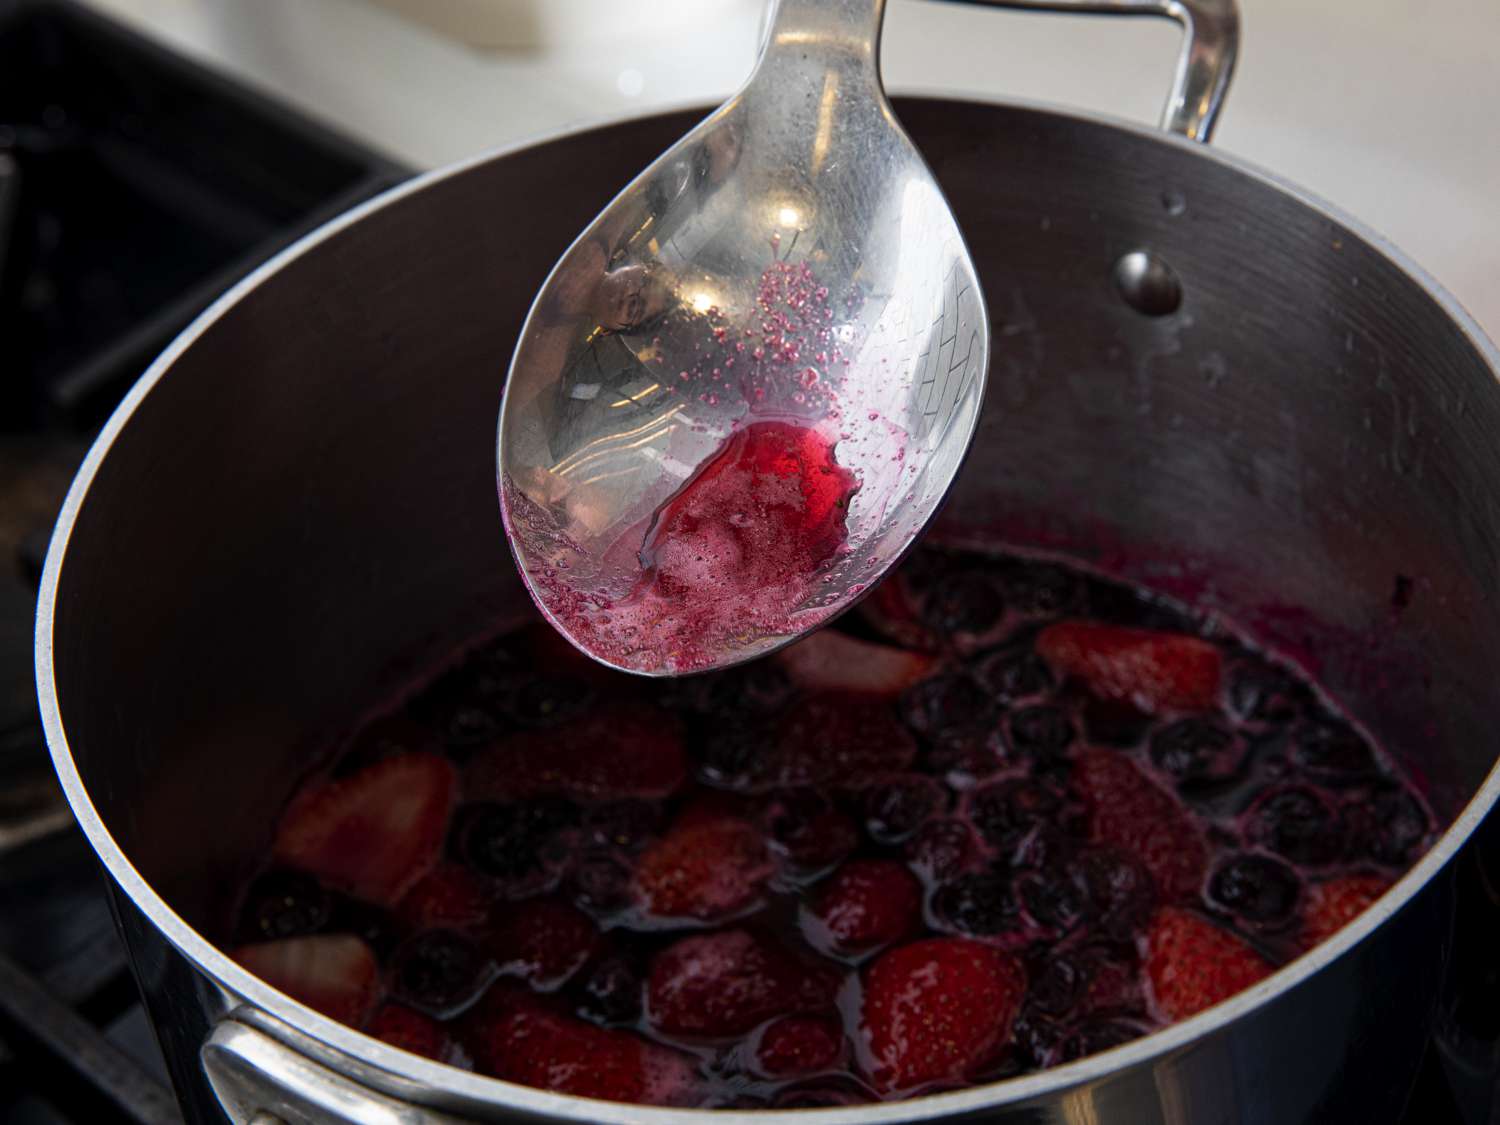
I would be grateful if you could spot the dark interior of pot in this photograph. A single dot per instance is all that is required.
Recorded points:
(304, 506)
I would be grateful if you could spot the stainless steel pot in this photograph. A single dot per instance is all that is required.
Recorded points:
(1203, 379)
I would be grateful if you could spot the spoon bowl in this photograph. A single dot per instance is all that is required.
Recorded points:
(788, 272)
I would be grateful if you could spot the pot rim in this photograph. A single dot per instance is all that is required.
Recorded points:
(456, 1085)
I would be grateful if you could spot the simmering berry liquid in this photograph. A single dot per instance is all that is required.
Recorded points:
(1007, 814)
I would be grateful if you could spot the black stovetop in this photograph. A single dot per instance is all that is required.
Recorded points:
(133, 188)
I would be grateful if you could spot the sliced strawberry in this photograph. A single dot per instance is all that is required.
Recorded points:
(726, 983)
(374, 833)
(449, 897)
(1152, 670)
(937, 1010)
(865, 903)
(514, 1036)
(837, 739)
(704, 868)
(829, 661)
(411, 1031)
(332, 973)
(798, 1045)
(625, 750)
(1127, 809)
(1333, 905)
(1191, 964)
(544, 942)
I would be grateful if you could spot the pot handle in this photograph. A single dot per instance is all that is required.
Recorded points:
(1211, 42)
(263, 1073)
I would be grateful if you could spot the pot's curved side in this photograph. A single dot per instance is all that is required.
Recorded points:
(206, 610)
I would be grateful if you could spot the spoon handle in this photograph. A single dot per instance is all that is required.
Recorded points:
(820, 36)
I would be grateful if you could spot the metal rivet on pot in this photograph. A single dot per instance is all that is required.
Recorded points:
(1147, 283)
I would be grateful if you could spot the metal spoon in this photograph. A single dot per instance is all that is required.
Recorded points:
(791, 257)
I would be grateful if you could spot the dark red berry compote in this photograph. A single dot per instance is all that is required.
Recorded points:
(1008, 814)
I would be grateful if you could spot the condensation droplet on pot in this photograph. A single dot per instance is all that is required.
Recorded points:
(1173, 202)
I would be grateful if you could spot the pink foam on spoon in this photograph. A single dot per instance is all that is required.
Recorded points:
(731, 555)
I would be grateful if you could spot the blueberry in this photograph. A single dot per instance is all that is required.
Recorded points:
(1123, 605)
(940, 848)
(967, 602)
(732, 758)
(1038, 588)
(1257, 888)
(980, 903)
(1330, 751)
(1114, 722)
(1121, 894)
(1387, 826)
(895, 809)
(547, 701)
(963, 754)
(625, 824)
(1297, 824)
(1036, 1035)
(1093, 1036)
(1195, 750)
(438, 972)
(609, 991)
(1057, 986)
(1013, 673)
(510, 841)
(946, 703)
(1054, 900)
(468, 725)
(753, 690)
(601, 883)
(283, 904)
(1265, 693)
(1005, 813)
(1040, 732)
(810, 829)
(369, 923)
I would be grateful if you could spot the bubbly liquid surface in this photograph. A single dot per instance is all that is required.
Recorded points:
(1006, 814)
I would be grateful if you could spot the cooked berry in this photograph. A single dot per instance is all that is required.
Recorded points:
(1257, 888)
(1007, 811)
(895, 809)
(962, 757)
(510, 841)
(1263, 692)
(437, 972)
(731, 758)
(967, 602)
(946, 703)
(626, 825)
(1121, 892)
(1299, 825)
(1387, 826)
(977, 904)
(547, 701)
(1040, 732)
(1193, 750)
(1057, 985)
(601, 883)
(1333, 752)
(1114, 722)
(1055, 900)
(609, 991)
(1094, 1036)
(810, 829)
(1119, 604)
(469, 724)
(940, 848)
(1038, 588)
(369, 923)
(1013, 673)
(752, 690)
(283, 904)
